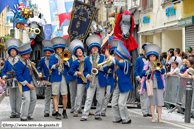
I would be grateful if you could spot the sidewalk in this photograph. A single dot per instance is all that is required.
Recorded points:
(170, 120)
(174, 117)
(2, 96)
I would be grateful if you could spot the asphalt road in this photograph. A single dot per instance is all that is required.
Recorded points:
(138, 122)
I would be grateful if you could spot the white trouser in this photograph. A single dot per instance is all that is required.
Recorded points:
(106, 99)
(99, 97)
(15, 98)
(28, 103)
(119, 105)
(78, 101)
(73, 90)
(48, 95)
(145, 109)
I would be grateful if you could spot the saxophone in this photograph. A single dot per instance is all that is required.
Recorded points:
(94, 70)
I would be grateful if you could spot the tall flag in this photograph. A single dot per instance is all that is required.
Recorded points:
(64, 8)
(82, 17)
(54, 15)
(48, 31)
(58, 33)
(10, 14)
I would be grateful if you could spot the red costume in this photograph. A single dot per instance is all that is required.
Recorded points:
(130, 43)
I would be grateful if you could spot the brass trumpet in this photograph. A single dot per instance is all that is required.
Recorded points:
(104, 64)
(65, 56)
(158, 65)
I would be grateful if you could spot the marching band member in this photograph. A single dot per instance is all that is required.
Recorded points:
(138, 74)
(44, 64)
(72, 79)
(110, 81)
(72, 86)
(99, 80)
(24, 73)
(76, 47)
(123, 84)
(14, 94)
(59, 76)
(158, 82)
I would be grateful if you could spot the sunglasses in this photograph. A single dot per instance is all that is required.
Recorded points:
(29, 30)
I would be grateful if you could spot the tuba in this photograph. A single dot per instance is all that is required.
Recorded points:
(94, 71)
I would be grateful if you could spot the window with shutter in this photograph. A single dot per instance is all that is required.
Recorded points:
(150, 4)
(146, 4)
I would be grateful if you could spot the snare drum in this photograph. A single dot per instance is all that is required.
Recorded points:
(12, 83)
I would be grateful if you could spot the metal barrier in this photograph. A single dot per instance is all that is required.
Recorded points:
(171, 88)
(192, 106)
(175, 92)
(182, 92)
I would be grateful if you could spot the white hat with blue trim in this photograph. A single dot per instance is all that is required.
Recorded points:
(144, 45)
(74, 45)
(94, 41)
(112, 45)
(58, 42)
(121, 51)
(12, 43)
(48, 46)
(152, 49)
(24, 48)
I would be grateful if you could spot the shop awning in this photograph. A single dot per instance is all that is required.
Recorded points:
(158, 28)
(186, 21)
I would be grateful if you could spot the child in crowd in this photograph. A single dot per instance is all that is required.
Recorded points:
(175, 70)
(183, 67)
(190, 71)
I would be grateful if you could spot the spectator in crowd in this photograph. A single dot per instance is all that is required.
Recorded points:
(162, 59)
(176, 57)
(170, 54)
(189, 51)
(183, 55)
(2, 84)
(183, 67)
(164, 54)
(141, 54)
(175, 70)
(190, 71)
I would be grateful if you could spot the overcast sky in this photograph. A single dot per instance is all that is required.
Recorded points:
(44, 5)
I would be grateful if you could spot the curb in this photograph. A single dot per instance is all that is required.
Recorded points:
(2, 96)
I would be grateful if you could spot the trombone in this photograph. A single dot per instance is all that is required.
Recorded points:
(33, 66)
(104, 64)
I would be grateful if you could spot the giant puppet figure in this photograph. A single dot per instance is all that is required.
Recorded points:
(36, 35)
(123, 31)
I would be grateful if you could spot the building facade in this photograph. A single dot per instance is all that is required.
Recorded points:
(187, 23)
(159, 23)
